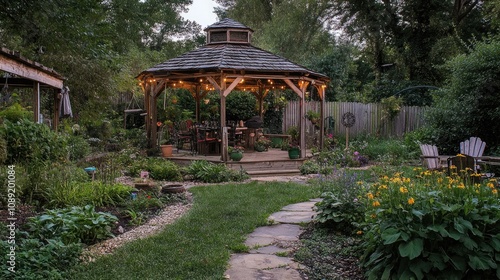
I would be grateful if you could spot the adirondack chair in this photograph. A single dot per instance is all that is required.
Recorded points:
(473, 147)
(431, 158)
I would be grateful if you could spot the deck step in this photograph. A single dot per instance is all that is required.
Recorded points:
(281, 172)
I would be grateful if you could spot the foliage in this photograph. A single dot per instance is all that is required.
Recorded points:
(39, 259)
(293, 131)
(208, 172)
(71, 193)
(391, 107)
(342, 206)
(274, 103)
(262, 144)
(73, 225)
(235, 149)
(469, 104)
(432, 226)
(159, 169)
(240, 105)
(78, 147)
(15, 112)
(3, 150)
(27, 140)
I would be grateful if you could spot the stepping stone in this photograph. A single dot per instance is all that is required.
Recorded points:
(270, 250)
(258, 261)
(287, 217)
(300, 207)
(268, 235)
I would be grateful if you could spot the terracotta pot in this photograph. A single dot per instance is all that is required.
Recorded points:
(166, 150)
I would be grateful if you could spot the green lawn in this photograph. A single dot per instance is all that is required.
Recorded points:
(199, 244)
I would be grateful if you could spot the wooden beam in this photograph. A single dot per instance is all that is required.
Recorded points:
(21, 69)
(55, 116)
(36, 101)
(214, 83)
(294, 88)
(232, 86)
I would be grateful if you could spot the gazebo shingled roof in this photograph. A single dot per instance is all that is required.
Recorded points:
(228, 61)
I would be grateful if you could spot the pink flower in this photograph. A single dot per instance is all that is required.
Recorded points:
(356, 153)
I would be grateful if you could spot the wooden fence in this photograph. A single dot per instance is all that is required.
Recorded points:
(369, 118)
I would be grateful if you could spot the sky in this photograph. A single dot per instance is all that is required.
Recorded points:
(201, 11)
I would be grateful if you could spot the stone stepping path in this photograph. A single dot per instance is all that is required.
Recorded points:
(270, 246)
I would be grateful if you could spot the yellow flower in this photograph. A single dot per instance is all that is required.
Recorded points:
(373, 216)
(460, 155)
(370, 195)
(359, 183)
(403, 190)
(453, 167)
(406, 180)
(376, 203)
(440, 180)
(494, 191)
(383, 187)
(411, 200)
(359, 232)
(461, 186)
(490, 185)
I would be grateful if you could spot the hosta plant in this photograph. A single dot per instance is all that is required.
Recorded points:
(432, 226)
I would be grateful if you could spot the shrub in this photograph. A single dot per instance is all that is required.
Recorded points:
(15, 112)
(208, 172)
(159, 169)
(342, 206)
(37, 259)
(73, 225)
(78, 147)
(27, 141)
(433, 226)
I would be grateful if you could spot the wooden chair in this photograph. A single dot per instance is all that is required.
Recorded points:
(473, 147)
(431, 158)
(204, 140)
(184, 134)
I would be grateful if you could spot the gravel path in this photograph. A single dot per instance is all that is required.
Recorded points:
(167, 216)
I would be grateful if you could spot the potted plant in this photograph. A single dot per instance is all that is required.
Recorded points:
(293, 145)
(166, 141)
(314, 117)
(235, 153)
(262, 144)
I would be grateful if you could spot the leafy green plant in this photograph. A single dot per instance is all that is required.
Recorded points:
(78, 147)
(159, 169)
(71, 193)
(73, 225)
(15, 112)
(136, 218)
(432, 226)
(208, 172)
(39, 259)
(342, 206)
(27, 141)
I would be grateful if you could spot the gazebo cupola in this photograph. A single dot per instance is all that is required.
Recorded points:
(228, 31)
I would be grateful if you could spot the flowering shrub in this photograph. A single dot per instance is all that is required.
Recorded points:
(432, 226)
(342, 206)
(262, 144)
(235, 149)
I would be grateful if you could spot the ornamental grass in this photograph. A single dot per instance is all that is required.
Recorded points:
(432, 225)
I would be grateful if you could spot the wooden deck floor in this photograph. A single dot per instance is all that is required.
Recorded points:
(274, 161)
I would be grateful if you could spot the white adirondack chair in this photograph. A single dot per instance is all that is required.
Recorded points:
(473, 147)
(431, 158)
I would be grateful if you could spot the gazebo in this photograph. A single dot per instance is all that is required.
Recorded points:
(229, 62)
(30, 74)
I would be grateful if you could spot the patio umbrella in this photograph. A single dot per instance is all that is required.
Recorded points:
(65, 104)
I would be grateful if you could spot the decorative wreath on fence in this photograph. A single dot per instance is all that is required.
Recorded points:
(348, 119)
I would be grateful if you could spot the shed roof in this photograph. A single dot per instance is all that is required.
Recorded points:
(227, 23)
